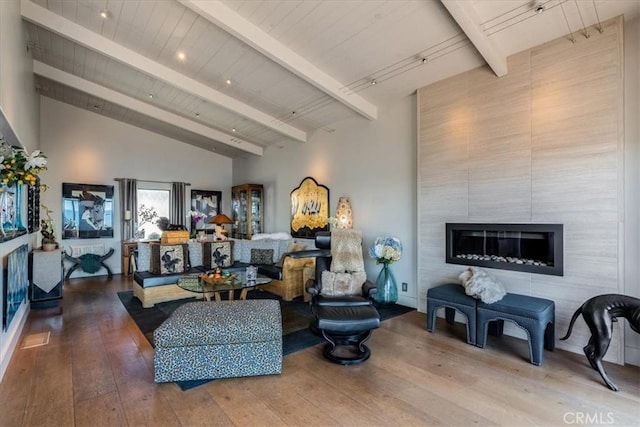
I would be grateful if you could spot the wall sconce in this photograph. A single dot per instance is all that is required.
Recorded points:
(219, 220)
(344, 214)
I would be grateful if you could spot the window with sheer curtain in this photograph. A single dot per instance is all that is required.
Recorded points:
(153, 203)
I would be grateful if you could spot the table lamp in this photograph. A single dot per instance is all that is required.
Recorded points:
(219, 220)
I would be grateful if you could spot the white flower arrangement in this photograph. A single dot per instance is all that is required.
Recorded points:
(17, 166)
(386, 250)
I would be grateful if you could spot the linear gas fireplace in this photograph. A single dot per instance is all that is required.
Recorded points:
(534, 248)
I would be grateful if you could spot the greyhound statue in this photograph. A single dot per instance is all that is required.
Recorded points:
(599, 313)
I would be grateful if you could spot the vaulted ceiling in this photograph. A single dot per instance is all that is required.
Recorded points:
(239, 76)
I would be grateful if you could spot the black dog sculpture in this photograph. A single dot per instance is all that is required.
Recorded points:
(599, 313)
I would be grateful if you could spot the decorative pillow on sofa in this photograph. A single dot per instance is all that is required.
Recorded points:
(261, 256)
(143, 259)
(168, 259)
(217, 254)
(195, 253)
(247, 245)
(339, 284)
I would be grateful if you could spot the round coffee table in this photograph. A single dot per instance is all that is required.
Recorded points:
(193, 283)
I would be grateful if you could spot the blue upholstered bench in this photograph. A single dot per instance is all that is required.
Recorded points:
(205, 340)
(452, 297)
(535, 315)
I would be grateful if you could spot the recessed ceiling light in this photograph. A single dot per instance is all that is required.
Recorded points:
(374, 82)
(197, 114)
(424, 60)
(293, 113)
(233, 130)
(104, 13)
(228, 81)
(182, 56)
(151, 95)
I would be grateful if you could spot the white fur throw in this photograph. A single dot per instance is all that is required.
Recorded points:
(273, 236)
(340, 284)
(478, 284)
(346, 251)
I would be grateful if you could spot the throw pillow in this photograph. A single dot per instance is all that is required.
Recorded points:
(143, 259)
(292, 247)
(168, 259)
(346, 251)
(195, 253)
(249, 245)
(261, 256)
(217, 254)
(340, 284)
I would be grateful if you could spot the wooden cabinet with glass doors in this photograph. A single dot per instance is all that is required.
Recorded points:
(247, 203)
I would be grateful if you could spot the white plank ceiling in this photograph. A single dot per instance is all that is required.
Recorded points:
(269, 73)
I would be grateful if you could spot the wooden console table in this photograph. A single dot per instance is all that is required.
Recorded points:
(77, 262)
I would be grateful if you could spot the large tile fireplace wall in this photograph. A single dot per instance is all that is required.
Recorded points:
(542, 144)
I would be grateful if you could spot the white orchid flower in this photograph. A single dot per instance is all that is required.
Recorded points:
(35, 160)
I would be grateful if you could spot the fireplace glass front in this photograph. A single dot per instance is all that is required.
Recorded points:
(533, 248)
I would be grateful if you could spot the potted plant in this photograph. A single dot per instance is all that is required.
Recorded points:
(48, 232)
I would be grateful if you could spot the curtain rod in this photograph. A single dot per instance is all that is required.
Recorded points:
(150, 180)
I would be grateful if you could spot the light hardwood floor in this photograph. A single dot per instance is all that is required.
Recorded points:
(97, 370)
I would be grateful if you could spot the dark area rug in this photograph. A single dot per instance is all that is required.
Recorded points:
(296, 316)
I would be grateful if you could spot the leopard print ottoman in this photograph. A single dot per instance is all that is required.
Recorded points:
(223, 339)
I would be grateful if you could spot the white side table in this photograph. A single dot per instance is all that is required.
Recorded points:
(45, 277)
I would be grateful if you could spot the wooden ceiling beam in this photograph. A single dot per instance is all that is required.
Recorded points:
(84, 37)
(57, 75)
(224, 17)
(464, 13)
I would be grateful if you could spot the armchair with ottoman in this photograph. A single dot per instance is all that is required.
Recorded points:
(342, 298)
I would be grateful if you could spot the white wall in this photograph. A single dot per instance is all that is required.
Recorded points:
(19, 103)
(18, 97)
(373, 163)
(632, 177)
(87, 148)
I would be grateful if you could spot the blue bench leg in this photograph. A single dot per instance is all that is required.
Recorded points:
(541, 338)
(496, 328)
(550, 337)
(431, 315)
(449, 315)
(450, 312)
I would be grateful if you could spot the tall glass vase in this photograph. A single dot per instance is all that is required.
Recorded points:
(18, 225)
(7, 206)
(387, 288)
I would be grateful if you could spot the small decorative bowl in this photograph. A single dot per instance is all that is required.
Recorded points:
(217, 280)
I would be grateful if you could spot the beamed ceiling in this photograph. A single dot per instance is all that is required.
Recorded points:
(258, 74)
